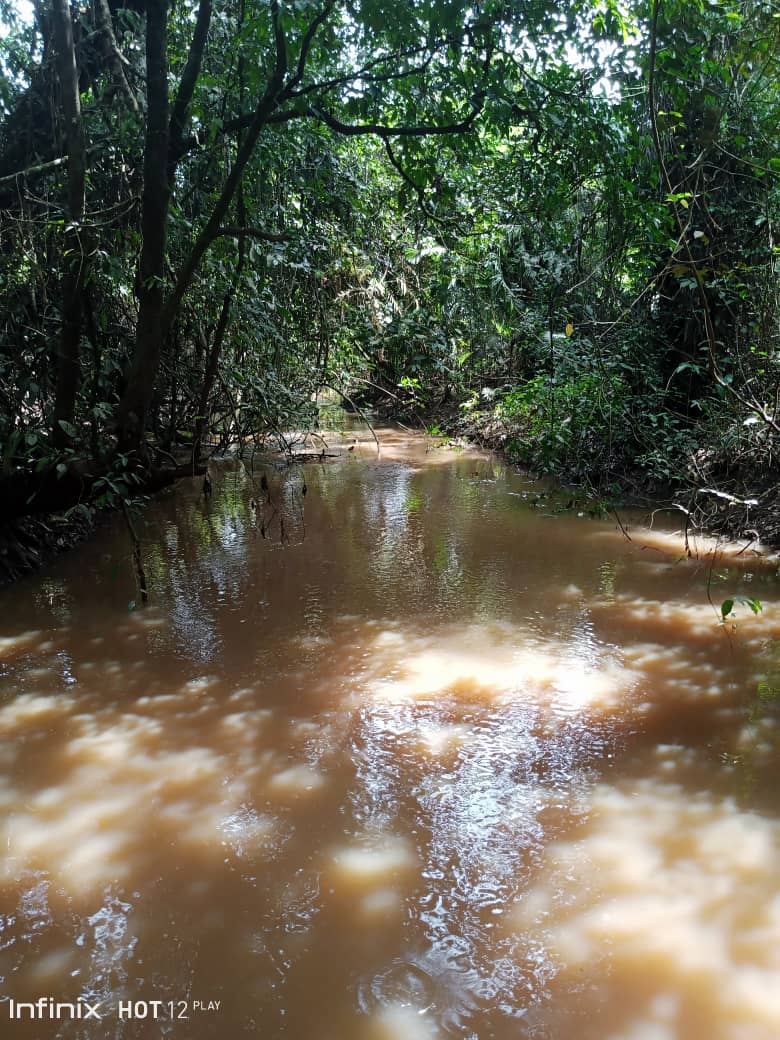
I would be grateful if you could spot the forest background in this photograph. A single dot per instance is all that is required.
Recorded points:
(550, 227)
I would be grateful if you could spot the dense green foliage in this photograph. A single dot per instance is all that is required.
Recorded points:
(553, 226)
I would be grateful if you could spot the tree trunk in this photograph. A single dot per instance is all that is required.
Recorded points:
(74, 254)
(150, 333)
(213, 355)
(267, 104)
(212, 363)
(156, 313)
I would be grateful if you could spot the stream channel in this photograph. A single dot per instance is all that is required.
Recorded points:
(411, 755)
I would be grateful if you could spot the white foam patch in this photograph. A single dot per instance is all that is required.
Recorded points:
(679, 894)
(298, 779)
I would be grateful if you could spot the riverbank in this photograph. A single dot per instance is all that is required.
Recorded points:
(710, 493)
(29, 543)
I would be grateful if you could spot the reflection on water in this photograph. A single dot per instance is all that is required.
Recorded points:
(418, 762)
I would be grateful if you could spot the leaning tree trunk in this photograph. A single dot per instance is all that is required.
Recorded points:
(150, 331)
(74, 254)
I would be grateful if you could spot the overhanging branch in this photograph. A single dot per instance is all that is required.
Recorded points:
(381, 130)
(189, 79)
(418, 189)
(250, 232)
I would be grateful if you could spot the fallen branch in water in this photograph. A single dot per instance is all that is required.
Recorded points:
(140, 573)
(358, 409)
(620, 525)
(313, 456)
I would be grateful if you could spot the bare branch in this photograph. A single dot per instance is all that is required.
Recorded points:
(420, 191)
(33, 172)
(243, 122)
(367, 76)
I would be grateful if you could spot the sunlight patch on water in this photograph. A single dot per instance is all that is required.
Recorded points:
(696, 679)
(90, 823)
(378, 860)
(381, 904)
(671, 621)
(147, 619)
(400, 1022)
(493, 662)
(296, 780)
(441, 739)
(10, 644)
(245, 725)
(700, 546)
(52, 966)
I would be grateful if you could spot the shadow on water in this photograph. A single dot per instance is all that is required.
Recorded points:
(435, 765)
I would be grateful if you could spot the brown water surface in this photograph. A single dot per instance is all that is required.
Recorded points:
(428, 760)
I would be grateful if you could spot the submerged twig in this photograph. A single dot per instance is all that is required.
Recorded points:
(620, 525)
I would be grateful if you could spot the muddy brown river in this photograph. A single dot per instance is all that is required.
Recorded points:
(412, 755)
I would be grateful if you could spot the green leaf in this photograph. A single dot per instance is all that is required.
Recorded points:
(68, 428)
(753, 604)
